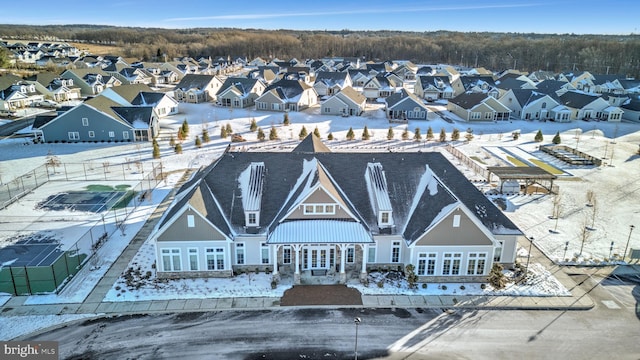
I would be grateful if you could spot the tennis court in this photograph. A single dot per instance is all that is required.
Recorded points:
(87, 201)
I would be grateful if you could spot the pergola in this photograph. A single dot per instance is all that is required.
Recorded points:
(529, 174)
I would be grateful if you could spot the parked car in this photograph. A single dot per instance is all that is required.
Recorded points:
(45, 104)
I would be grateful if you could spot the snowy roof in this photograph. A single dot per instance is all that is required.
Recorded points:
(251, 182)
(419, 187)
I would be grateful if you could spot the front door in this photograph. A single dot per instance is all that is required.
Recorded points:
(318, 257)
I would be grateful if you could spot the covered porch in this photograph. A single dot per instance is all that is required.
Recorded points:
(320, 251)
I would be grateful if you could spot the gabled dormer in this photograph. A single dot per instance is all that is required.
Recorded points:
(251, 182)
(379, 196)
(319, 198)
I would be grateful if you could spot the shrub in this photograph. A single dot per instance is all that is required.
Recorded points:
(496, 277)
(380, 283)
(443, 287)
(483, 286)
(462, 287)
(412, 278)
(424, 285)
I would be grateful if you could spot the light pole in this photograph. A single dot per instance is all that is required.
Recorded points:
(624, 254)
(357, 322)
(528, 257)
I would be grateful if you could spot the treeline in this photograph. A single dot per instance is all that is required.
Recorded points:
(599, 54)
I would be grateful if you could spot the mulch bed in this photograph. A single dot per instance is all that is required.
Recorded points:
(301, 295)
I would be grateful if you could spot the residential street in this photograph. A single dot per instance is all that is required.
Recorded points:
(610, 330)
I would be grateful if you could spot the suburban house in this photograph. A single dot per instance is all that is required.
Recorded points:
(240, 92)
(433, 88)
(143, 95)
(585, 106)
(99, 119)
(129, 75)
(91, 81)
(19, 96)
(313, 212)
(478, 107)
(53, 87)
(405, 106)
(347, 102)
(196, 88)
(528, 104)
(380, 87)
(631, 111)
(328, 83)
(287, 95)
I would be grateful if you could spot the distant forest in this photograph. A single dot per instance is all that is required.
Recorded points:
(599, 54)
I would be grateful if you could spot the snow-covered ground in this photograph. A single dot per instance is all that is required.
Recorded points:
(614, 185)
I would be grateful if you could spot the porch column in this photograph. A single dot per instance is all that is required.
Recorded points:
(343, 255)
(365, 255)
(275, 261)
(296, 274)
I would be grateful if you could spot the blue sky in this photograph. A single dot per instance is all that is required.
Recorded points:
(543, 16)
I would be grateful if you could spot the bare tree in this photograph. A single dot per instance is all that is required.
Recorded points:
(590, 197)
(594, 212)
(584, 233)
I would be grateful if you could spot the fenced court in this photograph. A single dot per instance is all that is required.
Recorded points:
(51, 230)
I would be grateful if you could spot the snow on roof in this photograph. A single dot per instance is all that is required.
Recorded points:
(377, 186)
(251, 182)
(427, 181)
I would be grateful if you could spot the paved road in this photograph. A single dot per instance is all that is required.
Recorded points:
(610, 330)
(9, 129)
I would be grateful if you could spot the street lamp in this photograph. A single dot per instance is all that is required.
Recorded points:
(528, 257)
(624, 254)
(357, 322)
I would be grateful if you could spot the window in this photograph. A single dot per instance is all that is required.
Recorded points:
(497, 252)
(476, 116)
(252, 218)
(488, 116)
(240, 253)
(264, 253)
(384, 217)
(451, 264)
(112, 134)
(326, 110)
(171, 260)
(74, 135)
(319, 209)
(351, 254)
(193, 259)
(456, 220)
(125, 135)
(215, 258)
(191, 222)
(85, 121)
(92, 134)
(395, 252)
(286, 255)
(431, 264)
(544, 105)
(371, 258)
(476, 263)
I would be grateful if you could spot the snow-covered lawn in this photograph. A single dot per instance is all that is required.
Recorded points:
(14, 326)
(614, 184)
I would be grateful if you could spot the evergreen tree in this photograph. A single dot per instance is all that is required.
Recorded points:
(443, 135)
(405, 134)
(181, 134)
(303, 133)
(205, 135)
(350, 134)
(416, 135)
(156, 149)
(455, 135)
(316, 132)
(538, 137)
(254, 125)
(198, 142)
(286, 121)
(185, 127)
(178, 148)
(469, 135)
(429, 133)
(330, 136)
(223, 132)
(390, 133)
(172, 141)
(260, 135)
(556, 139)
(228, 129)
(365, 133)
(273, 134)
